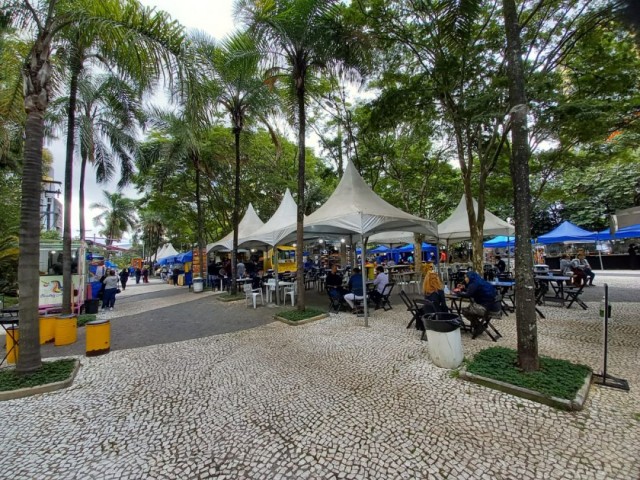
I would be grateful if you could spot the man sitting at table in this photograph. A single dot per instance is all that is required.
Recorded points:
(356, 289)
(379, 283)
(585, 267)
(334, 280)
(500, 265)
(483, 296)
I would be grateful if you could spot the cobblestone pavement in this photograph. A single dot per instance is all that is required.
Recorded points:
(330, 399)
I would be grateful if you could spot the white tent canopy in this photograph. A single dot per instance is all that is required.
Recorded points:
(167, 250)
(249, 224)
(354, 208)
(456, 227)
(281, 224)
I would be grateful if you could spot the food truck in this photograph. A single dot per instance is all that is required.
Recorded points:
(286, 259)
(51, 281)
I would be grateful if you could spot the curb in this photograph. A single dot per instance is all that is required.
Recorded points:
(46, 388)
(561, 403)
(301, 322)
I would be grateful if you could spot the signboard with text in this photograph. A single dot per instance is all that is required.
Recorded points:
(199, 256)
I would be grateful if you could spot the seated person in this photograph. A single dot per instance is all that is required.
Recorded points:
(483, 295)
(579, 276)
(381, 281)
(334, 280)
(433, 289)
(355, 288)
(500, 265)
(585, 267)
(565, 265)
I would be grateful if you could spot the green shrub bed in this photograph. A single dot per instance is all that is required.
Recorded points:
(297, 315)
(226, 297)
(50, 372)
(86, 318)
(555, 378)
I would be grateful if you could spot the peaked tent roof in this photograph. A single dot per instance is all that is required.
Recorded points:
(166, 251)
(353, 208)
(566, 232)
(281, 224)
(249, 224)
(456, 227)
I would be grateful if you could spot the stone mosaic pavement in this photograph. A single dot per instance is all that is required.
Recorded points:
(330, 399)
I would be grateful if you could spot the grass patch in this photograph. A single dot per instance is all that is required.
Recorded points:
(86, 318)
(49, 372)
(227, 297)
(556, 378)
(297, 315)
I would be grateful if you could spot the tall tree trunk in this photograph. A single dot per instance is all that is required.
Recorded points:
(301, 184)
(236, 214)
(37, 77)
(526, 326)
(83, 172)
(200, 223)
(67, 284)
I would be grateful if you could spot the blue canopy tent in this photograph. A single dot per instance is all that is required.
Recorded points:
(500, 242)
(167, 260)
(427, 249)
(632, 231)
(380, 249)
(109, 264)
(567, 232)
(185, 257)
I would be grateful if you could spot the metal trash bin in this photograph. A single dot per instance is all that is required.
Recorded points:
(198, 285)
(445, 342)
(92, 305)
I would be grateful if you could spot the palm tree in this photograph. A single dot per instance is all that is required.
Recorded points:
(118, 216)
(174, 145)
(117, 24)
(299, 38)
(108, 111)
(159, 44)
(241, 93)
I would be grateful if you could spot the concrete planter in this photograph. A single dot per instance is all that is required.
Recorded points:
(561, 403)
(301, 322)
(47, 387)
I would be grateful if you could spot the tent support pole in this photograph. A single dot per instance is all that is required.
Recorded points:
(600, 255)
(364, 280)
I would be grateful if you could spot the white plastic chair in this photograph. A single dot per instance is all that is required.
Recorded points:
(270, 288)
(292, 290)
(252, 293)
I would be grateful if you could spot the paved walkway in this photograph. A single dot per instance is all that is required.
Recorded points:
(331, 399)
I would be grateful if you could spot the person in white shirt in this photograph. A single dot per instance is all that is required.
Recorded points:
(240, 269)
(381, 281)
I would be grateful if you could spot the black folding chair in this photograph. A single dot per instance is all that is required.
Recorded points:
(413, 309)
(385, 303)
(573, 294)
(484, 324)
(335, 299)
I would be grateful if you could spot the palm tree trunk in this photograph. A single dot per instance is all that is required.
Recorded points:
(526, 325)
(67, 284)
(83, 167)
(236, 213)
(200, 212)
(28, 272)
(301, 184)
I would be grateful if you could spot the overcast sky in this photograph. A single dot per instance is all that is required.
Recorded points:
(212, 16)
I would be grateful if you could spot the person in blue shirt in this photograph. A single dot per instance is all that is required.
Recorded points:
(483, 295)
(355, 289)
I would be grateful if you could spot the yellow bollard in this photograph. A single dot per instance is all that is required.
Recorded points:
(98, 337)
(13, 336)
(66, 330)
(47, 328)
